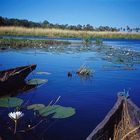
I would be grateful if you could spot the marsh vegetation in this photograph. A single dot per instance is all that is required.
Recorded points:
(53, 32)
(20, 43)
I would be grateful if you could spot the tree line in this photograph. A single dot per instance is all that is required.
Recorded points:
(46, 24)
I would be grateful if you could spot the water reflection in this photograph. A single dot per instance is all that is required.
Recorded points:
(21, 89)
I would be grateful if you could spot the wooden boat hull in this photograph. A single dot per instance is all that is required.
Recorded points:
(15, 78)
(121, 123)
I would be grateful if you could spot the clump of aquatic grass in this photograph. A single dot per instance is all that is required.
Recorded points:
(22, 31)
(87, 41)
(99, 41)
(84, 71)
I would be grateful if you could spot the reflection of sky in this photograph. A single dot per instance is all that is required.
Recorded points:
(132, 44)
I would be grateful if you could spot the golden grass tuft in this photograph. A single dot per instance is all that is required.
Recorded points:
(22, 31)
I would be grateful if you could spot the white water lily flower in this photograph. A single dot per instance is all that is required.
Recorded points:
(15, 115)
(127, 53)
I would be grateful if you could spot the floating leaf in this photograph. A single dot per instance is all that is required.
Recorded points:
(35, 106)
(48, 110)
(57, 111)
(37, 81)
(10, 102)
(64, 112)
(43, 73)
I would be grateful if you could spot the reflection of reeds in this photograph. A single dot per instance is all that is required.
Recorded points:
(64, 33)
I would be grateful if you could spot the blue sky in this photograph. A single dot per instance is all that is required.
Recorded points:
(114, 13)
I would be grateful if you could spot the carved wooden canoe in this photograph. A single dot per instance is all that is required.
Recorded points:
(13, 79)
(121, 123)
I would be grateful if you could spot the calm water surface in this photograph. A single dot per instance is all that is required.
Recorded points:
(92, 98)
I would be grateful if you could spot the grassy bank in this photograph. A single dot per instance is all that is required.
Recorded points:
(22, 31)
(20, 43)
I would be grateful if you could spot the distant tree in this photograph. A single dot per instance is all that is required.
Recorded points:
(45, 23)
(2, 21)
(101, 28)
(88, 27)
(128, 28)
(79, 27)
(137, 29)
(71, 27)
(66, 26)
(124, 29)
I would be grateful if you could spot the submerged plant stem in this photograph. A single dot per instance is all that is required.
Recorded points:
(15, 129)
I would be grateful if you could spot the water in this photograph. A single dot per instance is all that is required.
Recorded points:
(125, 43)
(92, 98)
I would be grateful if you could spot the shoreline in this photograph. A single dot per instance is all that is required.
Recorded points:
(61, 38)
(6, 43)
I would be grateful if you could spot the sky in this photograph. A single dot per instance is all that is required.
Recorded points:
(115, 13)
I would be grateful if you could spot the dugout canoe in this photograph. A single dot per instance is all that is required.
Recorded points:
(121, 123)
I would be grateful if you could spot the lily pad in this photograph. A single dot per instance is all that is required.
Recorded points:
(48, 110)
(10, 102)
(37, 81)
(35, 106)
(57, 111)
(43, 73)
(64, 112)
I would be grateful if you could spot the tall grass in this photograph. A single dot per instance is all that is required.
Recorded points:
(22, 31)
